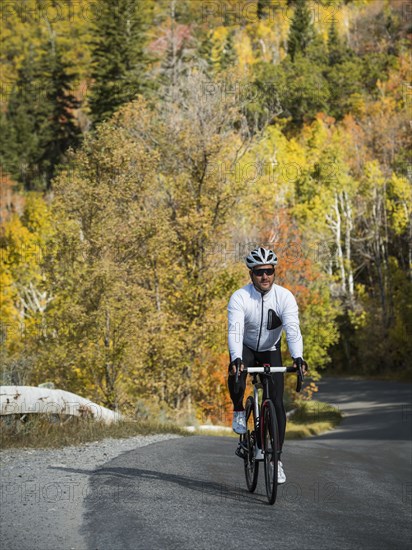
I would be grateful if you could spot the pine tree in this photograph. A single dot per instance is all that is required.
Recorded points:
(61, 130)
(204, 53)
(334, 44)
(38, 125)
(21, 123)
(302, 31)
(262, 8)
(118, 55)
(228, 56)
(343, 74)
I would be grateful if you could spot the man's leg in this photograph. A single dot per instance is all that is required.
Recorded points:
(237, 396)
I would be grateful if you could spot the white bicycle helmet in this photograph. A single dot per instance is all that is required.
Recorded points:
(261, 256)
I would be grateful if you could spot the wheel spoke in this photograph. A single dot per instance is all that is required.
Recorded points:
(251, 465)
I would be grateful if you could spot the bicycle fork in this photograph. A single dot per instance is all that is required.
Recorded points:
(259, 424)
(259, 450)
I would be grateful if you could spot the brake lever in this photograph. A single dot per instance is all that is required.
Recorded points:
(300, 375)
(299, 379)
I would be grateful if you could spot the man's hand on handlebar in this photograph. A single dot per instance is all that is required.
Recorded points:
(236, 363)
(302, 368)
(299, 363)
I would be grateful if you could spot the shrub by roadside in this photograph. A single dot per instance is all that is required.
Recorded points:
(312, 418)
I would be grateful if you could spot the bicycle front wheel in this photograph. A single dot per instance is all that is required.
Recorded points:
(251, 464)
(270, 447)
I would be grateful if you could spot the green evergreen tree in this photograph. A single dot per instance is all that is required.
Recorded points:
(119, 59)
(60, 129)
(301, 31)
(343, 74)
(228, 56)
(38, 125)
(19, 126)
(262, 8)
(204, 53)
(335, 47)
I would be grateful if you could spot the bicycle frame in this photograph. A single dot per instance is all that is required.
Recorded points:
(257, 385)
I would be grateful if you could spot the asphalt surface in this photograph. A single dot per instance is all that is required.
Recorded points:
(348, 489)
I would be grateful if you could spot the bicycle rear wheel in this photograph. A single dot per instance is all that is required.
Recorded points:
(270, 447)
(250, 463)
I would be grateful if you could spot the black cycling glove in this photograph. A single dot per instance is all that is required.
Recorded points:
(301, 363)
(236, 363)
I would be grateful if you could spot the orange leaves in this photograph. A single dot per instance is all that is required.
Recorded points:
(296, 269)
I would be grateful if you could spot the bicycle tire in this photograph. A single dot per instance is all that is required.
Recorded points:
(271, 447)
(250, 463)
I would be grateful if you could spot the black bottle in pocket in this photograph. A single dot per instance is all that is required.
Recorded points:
(273, 320)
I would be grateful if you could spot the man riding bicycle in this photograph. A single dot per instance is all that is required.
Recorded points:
(258, 313)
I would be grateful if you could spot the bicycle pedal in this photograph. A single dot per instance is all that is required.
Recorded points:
(241, 451)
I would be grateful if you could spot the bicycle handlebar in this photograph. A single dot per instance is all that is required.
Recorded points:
(268, 369)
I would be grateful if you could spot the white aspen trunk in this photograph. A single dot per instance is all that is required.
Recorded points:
(348, 242)
(338, 238)
(189, 402)
(387, 273)
(378, 250)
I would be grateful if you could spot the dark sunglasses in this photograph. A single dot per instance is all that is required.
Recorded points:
(261, 272)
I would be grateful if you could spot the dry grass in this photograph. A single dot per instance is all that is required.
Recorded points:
(38, 431)
(53, 431)
(312, 418)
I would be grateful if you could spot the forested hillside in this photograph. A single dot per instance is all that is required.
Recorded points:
(147, 146)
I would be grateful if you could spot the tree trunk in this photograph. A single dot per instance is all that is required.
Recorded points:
(338, 240)
(111, 400)
(378, 248)
(347, 208)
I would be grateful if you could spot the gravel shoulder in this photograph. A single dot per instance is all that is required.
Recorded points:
(43, 491)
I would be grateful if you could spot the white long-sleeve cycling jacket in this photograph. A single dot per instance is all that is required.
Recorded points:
(258, 320)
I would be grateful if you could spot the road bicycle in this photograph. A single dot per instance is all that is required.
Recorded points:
(261, 441)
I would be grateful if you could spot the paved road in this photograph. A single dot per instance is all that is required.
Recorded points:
(348, 489)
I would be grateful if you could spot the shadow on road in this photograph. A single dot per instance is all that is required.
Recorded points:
(123, 477)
